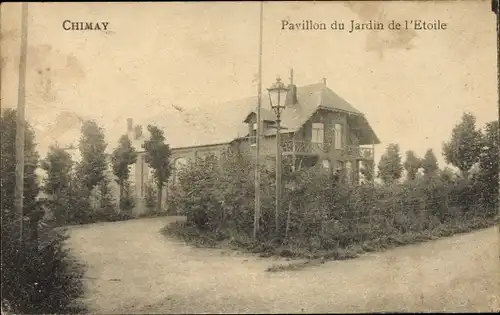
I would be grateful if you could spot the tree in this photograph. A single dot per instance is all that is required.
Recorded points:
(38, 278)
(389, 166)
(489, 165)
(106, 204)
(123, 156)
(429, 163)
(8, 167)
(58, 165)
(447, 174)
(464, 147)
(368, 166)
(31, 211)
(158, 157)
(92, 168)
(151, 197)
(412, 164)
(368, 169)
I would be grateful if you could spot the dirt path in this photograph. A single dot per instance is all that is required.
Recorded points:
(135, 269)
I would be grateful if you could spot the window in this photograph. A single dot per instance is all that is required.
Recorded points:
(253, 135)
(338, 136)
(326, 164)
(318, 132)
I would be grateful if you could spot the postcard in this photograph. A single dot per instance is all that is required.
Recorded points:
(244, 157)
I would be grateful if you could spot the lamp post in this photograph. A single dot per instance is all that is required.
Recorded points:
(277, 96)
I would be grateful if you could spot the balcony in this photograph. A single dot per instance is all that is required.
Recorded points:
(307, 147)
(358, 152)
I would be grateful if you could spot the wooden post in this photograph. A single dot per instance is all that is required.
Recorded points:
(20, 124)
(288, 217)
(290, 204)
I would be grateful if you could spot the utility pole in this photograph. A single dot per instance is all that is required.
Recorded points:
(1, 57)
(495, 7)
(257, 142)
(20, 124)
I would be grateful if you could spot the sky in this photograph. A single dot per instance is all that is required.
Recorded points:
(413, 86)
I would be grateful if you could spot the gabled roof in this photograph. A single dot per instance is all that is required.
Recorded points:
(312, 97)
(225, 122)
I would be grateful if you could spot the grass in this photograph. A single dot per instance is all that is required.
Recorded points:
(229, 239)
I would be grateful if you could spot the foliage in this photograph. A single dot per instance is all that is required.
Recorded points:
(489, 164)
(389, 166)
(329, 218)
(92, 199)
(79, 196)
(412, 164)
(8, 166)
(367, 169)
(326, 217)
(322, 217)
(127, 201)
(158, 157)
(429, 163)
(447, 174)
(91, 170)
(106, 207)
(151, 197)
(216, 195)
(40, 278)
(464, 147)
(58, 165)
(123, 156)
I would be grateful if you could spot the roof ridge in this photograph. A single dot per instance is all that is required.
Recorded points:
(265, 96)
(337, 101)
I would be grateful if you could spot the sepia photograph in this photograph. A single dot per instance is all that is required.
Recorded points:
(250, 157)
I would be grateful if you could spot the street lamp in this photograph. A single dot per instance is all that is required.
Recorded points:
(277, 96)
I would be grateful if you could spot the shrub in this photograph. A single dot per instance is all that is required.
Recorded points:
(151, 197)
(38, 276)
(41, 278)
(217, 196)
(127, 202)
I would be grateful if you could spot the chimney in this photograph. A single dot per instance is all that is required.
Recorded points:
(291, 95)
(324, 81)
(137, 131)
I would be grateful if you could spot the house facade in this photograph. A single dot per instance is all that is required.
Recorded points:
(318, 129)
